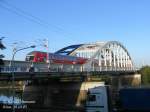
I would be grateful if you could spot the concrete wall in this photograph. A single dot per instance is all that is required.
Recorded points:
(66, 96)
(59, 96)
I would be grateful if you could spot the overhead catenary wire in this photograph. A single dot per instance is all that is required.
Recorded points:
(31, 16)
(13, 9)
(15, 12)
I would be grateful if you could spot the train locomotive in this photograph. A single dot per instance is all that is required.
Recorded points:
(38, 56)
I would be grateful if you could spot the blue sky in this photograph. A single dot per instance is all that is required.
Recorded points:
(66, 22)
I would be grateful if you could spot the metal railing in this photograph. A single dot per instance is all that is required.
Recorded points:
(21, 66)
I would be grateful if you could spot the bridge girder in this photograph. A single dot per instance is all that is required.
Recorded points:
(99, 56)
(111, 54)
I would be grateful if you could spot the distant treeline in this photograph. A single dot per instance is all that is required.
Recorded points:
(145, 75)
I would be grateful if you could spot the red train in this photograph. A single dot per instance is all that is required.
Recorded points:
(37, 56)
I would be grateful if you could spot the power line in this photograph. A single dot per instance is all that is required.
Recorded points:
(30, 15)
(11, 8)
(15, 12)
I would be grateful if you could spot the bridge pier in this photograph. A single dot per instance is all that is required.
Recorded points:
(68, 94)
(58, 96)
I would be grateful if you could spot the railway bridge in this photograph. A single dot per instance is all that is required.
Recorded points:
(104, 59)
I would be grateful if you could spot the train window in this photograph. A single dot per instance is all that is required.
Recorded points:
(63, 53)
(29, 58)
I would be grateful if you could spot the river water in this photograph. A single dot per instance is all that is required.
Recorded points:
(6, 96)
(9, 99)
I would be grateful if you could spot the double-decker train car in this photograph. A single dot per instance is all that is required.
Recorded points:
(38, 56)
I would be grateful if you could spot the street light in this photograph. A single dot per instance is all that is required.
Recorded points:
(13, 78)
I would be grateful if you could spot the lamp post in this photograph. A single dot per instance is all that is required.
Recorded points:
(13, 78)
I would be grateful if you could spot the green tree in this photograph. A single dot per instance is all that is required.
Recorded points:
(145, 75)
(1, 55)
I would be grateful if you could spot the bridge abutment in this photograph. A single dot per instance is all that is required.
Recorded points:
(67, 94)
(56, 96)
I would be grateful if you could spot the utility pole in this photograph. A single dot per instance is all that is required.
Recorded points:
(46, 44)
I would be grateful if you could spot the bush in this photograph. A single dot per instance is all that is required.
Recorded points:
(145, 75)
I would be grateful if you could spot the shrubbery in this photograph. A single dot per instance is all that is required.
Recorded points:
(145, 74)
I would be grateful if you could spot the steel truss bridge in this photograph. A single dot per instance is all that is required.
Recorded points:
(102, 57)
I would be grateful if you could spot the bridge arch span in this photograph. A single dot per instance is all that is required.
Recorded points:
(111, 55)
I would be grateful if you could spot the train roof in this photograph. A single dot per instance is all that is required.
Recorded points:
(30, 53)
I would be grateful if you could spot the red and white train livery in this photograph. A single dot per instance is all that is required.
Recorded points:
(37, 56)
